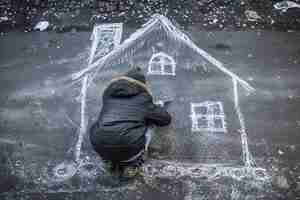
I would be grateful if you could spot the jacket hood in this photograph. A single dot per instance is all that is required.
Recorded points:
(124, 86)
(136, 73)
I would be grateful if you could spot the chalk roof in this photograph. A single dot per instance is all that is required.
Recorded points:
(172, 31)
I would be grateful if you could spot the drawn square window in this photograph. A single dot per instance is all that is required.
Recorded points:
(208, 116)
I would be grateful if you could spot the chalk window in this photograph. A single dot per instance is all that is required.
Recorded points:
(161, 64)
(208, 116)
(105, 38)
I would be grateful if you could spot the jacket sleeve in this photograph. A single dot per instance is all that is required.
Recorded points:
(158, 116)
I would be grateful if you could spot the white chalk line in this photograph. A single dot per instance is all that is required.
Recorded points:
(158, 168)
(93, 49)
(70, 120)
(247, 158)
(83, 122)
(117, 28)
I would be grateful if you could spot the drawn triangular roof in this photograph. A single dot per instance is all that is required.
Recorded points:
(171, 31)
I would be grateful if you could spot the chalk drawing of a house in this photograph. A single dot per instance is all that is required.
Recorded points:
(208, 123)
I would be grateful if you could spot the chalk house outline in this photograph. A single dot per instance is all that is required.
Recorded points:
(138, 38)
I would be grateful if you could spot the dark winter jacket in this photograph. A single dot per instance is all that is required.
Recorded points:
(127, 111)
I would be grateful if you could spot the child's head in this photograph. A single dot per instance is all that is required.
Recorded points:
(137, 74)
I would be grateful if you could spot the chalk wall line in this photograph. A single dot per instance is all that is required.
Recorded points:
(83, 121)
(247, 158)
(116, 30)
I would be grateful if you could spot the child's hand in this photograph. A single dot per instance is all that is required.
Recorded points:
(160, 103)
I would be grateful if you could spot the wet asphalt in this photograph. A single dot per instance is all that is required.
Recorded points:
(39, 122)
(40, 108)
